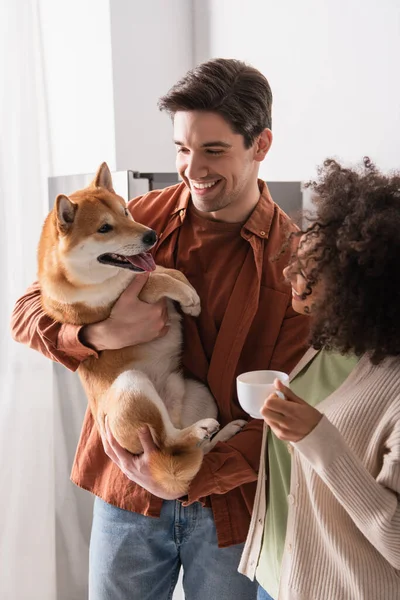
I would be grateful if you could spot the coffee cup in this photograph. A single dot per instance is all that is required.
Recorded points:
(254, 387)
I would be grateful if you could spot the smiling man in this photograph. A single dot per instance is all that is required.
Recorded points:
(217, 167)
(220, 227)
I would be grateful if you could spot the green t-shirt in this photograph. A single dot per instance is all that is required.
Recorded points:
(319, 378)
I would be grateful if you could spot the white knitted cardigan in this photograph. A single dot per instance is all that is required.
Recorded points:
(343, 532)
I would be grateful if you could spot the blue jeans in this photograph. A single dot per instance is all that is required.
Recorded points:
(262, 594)
(133, 557)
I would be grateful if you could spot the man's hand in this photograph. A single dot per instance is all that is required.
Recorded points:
(136, 468)
(290, 419)
(131, 321)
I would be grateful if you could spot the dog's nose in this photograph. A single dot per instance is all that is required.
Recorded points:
(149, 238)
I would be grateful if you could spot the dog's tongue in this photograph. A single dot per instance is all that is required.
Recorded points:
(143, 261)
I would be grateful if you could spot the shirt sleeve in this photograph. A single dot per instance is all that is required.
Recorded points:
(230, 464)
(30, 325)
(372, 503)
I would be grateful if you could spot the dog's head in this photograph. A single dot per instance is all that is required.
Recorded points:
(96, 235)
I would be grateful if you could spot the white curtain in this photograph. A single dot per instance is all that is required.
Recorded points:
(44, 520)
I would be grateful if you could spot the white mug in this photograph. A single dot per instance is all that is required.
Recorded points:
(254, 387)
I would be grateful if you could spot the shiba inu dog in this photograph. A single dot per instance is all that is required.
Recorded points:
(89, 251)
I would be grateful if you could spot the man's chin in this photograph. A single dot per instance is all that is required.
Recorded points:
(207, 207)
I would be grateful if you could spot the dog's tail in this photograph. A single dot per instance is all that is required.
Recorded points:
(174, 469)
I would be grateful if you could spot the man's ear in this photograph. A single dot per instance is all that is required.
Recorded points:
(65, 212)
(263, 144)
(103, 178)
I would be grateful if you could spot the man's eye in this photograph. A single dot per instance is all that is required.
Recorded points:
(215, 152)
(180, 150)
(105, 228)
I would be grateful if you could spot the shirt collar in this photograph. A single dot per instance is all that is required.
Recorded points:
(258, 223)
(182, 201)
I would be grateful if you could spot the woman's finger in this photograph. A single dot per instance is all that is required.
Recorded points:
(287, 392)
(276, 404)
(277, 419)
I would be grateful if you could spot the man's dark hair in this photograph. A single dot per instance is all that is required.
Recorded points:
(353, 246)
(228, 87)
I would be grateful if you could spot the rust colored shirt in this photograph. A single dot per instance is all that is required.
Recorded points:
(247, 323)
(205, 251)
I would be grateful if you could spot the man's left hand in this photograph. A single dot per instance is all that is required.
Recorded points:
(136, 467)
(290, 419)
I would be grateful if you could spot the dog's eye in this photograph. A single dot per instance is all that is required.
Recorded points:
(126, 212)
(105, 228)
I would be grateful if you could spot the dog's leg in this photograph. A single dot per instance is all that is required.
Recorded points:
(198, 403)
(174, 274)
(162, 285)
(173, 398)
(133, 401)
(224, 435)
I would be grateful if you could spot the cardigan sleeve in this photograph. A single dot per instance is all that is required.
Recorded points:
(372, 503)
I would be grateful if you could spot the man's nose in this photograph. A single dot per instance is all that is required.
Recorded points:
(196, 167)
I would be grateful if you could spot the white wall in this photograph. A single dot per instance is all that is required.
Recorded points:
(151, 49)
(333, 69)
(78, 73)
(106, 64)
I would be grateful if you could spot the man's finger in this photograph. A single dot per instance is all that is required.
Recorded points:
(118, 450)
(107, 448)
(163, 331)
(135, 287)
(146, 440)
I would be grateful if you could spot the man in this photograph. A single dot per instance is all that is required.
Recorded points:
(221, 228)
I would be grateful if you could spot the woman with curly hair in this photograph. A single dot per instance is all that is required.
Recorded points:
(341, 537)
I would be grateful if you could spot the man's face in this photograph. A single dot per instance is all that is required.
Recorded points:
(213, 162)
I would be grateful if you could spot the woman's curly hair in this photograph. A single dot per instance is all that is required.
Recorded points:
(352, 244)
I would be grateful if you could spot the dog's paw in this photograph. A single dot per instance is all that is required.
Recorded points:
(191, 304)
(231, 429)
(206, 428)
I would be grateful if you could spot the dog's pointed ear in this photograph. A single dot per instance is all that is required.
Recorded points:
(103, 178)
(65, 212)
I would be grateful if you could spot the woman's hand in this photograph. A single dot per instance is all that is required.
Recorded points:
(136, 467)
(290, 419)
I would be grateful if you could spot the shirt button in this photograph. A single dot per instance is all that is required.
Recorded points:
(260, 521)
(262, 232)
(290, 448)
(290, 499)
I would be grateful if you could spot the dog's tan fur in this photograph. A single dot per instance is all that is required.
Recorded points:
(140, 384)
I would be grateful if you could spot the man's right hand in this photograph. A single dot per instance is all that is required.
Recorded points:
(131, 321)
